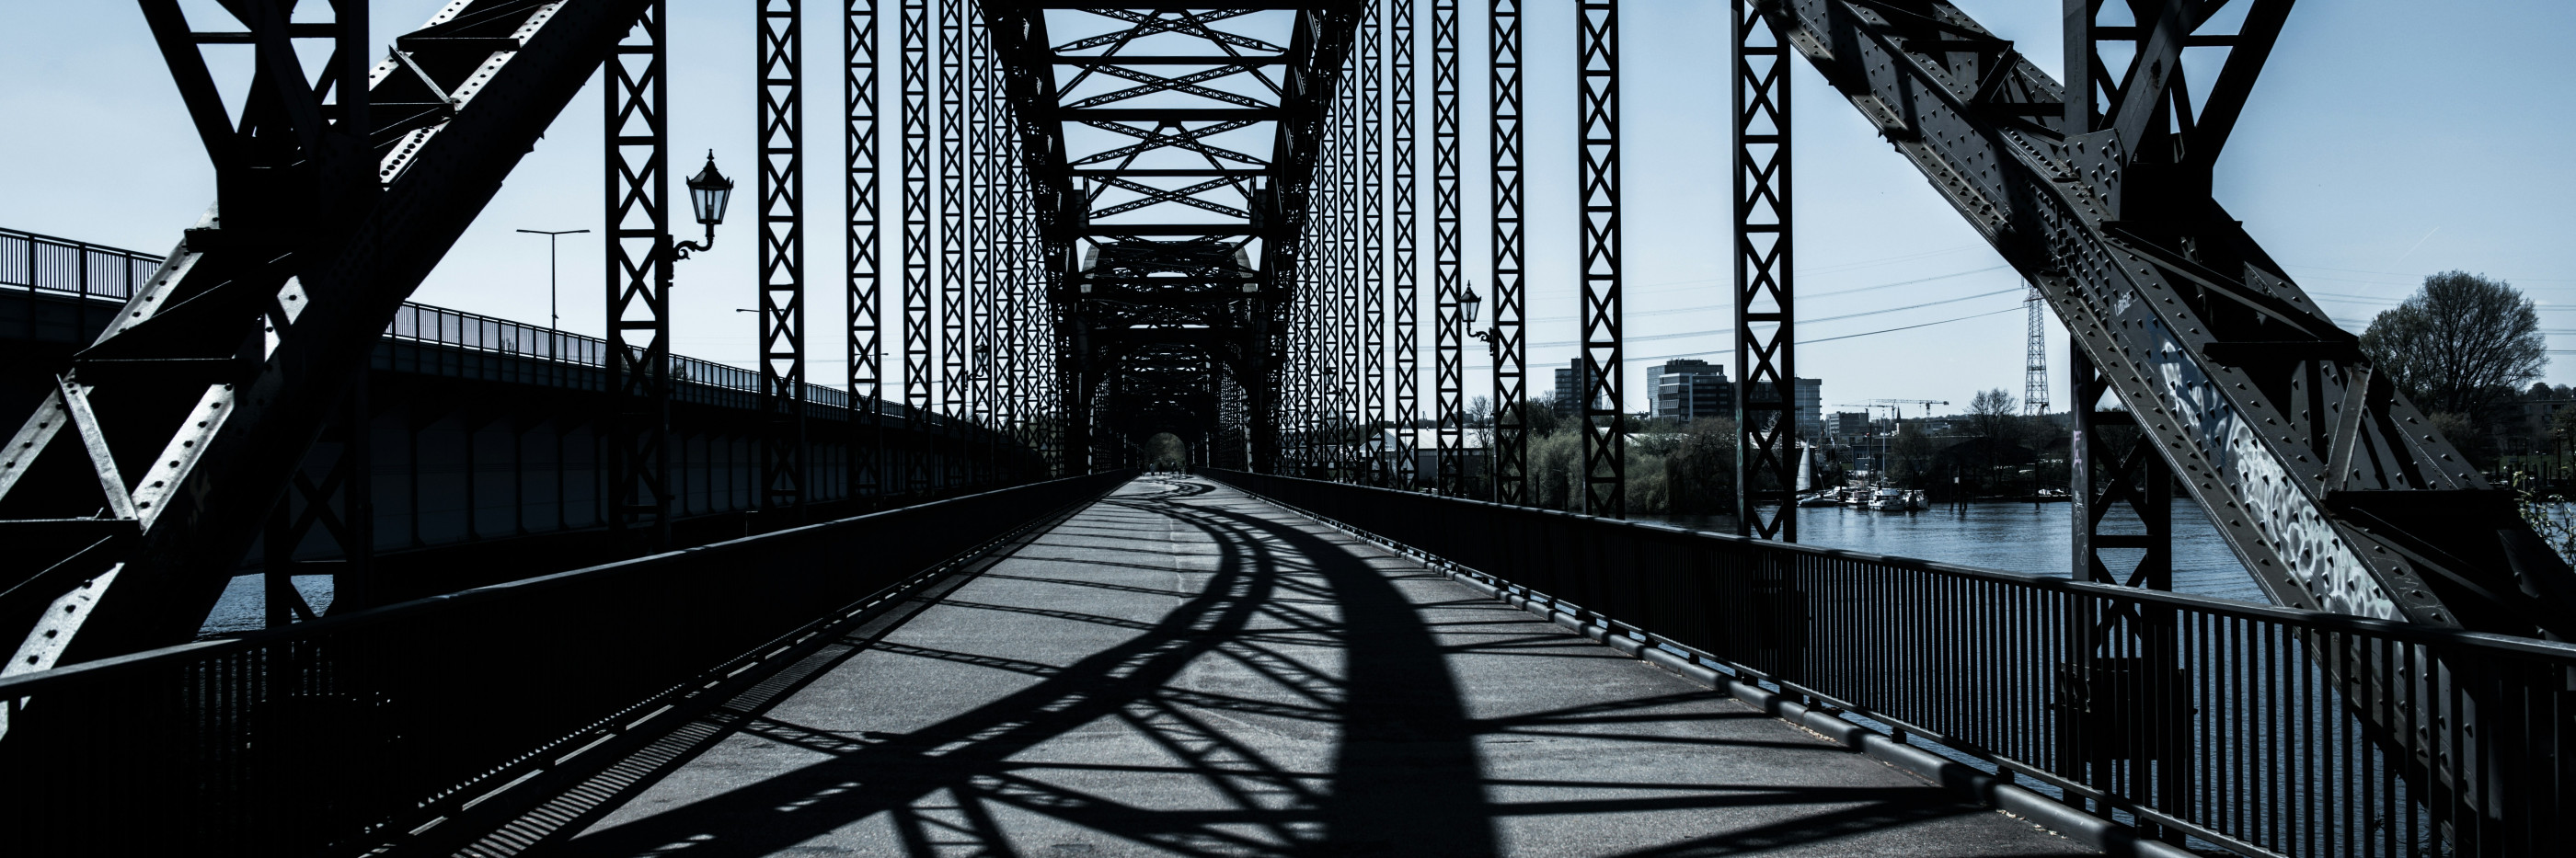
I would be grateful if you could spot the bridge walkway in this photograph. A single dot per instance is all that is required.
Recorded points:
(1184, 669)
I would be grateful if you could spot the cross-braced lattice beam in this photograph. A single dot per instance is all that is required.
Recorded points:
(1766, 346)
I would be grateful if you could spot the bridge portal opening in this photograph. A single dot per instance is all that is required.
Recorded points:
(1167, 452)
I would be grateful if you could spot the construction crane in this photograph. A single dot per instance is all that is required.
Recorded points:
(1896, 407)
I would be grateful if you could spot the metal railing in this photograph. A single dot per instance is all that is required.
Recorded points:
(2209, 724)
(35, 264)
(337, 735)
(476, 332)
(44, 264)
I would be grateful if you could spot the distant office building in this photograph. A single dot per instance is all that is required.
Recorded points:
(1848, 424)
(1688, 390)
(1570, 385)
(1808, 405)
(1811, 408)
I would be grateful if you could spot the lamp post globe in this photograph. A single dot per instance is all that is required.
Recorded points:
(709, 193)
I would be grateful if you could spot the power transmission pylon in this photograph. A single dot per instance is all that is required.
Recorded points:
(2034, 384)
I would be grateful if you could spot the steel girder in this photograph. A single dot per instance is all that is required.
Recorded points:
(866, 245)
(780, 129)
(1605, 466)
(1170, 226)
(1372, 215)
(951, 97)
(913, 78)
(132, 492)
(2328, 484)
(635, 139)
(1349, 386)
(1508, 338)
(1448, 329)
(1407, 273)
(1766, 343)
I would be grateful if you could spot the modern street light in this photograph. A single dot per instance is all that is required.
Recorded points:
(709, 192)
(554, 319)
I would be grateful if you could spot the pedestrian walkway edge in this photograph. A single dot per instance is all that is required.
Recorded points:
(540, 810)
(2112, 837)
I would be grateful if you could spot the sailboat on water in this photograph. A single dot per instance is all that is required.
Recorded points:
(1807, 493)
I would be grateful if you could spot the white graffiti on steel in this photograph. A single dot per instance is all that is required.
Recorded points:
(2319, 559)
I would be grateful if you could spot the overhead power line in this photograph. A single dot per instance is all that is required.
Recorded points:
(1707, 307)
(1651, 358)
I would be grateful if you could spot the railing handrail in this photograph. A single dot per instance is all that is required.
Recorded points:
(24, 235)
(2257, 729)
(686, 369)
(2324, 620)
(348, 734)
(27, 684)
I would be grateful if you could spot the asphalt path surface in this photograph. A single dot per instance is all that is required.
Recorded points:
(1182, 669)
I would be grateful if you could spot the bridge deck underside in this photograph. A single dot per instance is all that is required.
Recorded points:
(1183, 669)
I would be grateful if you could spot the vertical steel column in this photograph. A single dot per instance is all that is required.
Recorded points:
(2122, 651)
(914, 78)
(1323, 226)
(1232, 426)
(1448, 384)
(638, 227)
(1408, 316)
(866, 315)
(1605, 471)
(781, 130)
(353, 584)
(1511, 303)
(281, 604)
(2100, 480)
(1373, 241)
(1318, 301)
(980, 238)
(339, 502)
(1309, 336)
(1766, 392)
(952, 239)
(1036, 343)
(1011, 268)
(1346, 256)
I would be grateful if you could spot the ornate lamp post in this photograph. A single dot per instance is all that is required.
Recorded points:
(709, 193)
(1468, 304)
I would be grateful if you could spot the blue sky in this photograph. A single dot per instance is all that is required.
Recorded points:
(2385, 142)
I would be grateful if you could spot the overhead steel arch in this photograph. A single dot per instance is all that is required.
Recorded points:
(1170, 153)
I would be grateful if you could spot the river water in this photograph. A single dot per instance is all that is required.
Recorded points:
(2032, 538)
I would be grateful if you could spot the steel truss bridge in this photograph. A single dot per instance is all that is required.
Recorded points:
(1072, 228)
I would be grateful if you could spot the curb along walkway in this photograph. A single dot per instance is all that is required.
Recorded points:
(1182, 669)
